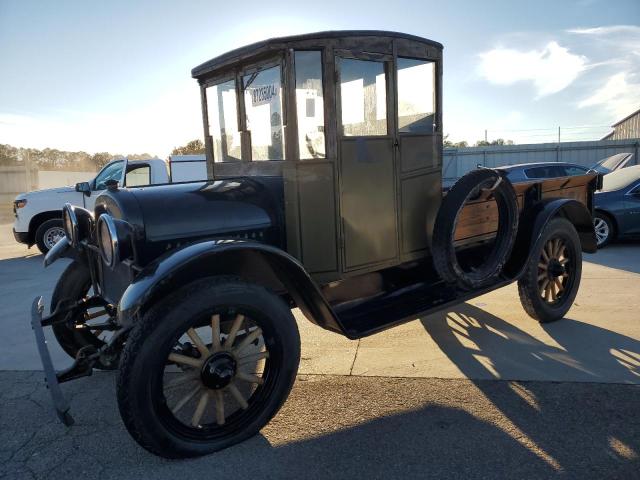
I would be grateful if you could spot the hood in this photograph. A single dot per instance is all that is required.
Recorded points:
(165, 216)
(210, 209)
(46, 191)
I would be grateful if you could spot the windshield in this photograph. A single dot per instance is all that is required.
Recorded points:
(621, 178)
(113, 171)
(614, 162)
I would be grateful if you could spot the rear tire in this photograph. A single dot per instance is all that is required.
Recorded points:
(552, 277)
(47, 233)
(157, 347)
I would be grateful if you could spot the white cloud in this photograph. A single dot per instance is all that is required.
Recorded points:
(171, 120)
(620, 38)
(619, 95)
(551, 69)
(608, 30)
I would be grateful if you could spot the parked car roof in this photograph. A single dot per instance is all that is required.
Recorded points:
(522, 172)
(620, 178)
(539, 164)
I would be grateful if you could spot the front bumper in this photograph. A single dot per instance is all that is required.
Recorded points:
(60, 403)
(21, 237)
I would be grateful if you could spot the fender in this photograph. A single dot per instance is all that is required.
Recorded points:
(534, 222)
(253, 261)
(62, 249)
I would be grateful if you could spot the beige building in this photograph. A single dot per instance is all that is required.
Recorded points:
(628, 127)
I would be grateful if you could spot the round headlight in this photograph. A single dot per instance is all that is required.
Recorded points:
(107, 240)
(70, 224)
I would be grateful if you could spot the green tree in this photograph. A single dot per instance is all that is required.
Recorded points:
(99, 160)
(449, 144)
(140, 156)
(194, 147)
(497, 141)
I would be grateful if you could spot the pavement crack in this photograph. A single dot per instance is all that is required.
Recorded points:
(21, 446)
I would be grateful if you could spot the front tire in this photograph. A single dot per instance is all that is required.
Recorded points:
(552, 278)
(76, 333)
(48, 234)
(183, 387)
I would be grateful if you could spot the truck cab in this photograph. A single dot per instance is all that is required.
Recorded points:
(324, 155)
(352, 124)
(38, 214)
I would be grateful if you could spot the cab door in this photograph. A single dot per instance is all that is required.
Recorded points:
(366, 136)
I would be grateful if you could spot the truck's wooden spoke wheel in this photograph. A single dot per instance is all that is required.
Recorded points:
(554, 268)
(212, 375)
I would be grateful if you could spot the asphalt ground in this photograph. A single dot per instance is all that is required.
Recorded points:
(481, 391)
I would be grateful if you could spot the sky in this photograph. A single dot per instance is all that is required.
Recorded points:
(115, 76)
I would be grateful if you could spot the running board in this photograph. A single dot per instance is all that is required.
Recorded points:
(361, 318)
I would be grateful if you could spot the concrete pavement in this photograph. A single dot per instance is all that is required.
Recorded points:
(481, 391)
(487, 338)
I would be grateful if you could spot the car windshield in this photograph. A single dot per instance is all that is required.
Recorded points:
(620, 178)
(614, 162)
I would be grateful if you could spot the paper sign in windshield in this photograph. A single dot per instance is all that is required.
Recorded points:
(263, 95)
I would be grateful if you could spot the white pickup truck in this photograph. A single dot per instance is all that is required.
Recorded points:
(38, 214)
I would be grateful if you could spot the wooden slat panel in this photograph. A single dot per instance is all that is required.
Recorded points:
(479, 219)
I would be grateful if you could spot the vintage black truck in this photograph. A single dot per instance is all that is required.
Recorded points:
(324, 162)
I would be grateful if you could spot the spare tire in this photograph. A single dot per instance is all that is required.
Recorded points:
(445, 257)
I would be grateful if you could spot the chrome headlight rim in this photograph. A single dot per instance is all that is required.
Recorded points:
(106, 221)
(70, 224)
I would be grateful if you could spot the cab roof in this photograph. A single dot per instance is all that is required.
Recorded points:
(278, 43)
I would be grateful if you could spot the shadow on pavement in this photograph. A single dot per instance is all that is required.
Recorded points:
(624, 255)
(483, 346)
(343, 427)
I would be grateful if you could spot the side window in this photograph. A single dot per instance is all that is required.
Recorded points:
(548, 171)
(538, 172)
(112, 171)
(310, 105)
(416, 96)
(363, 97)
(570, 171)
(263, 109)
(223, 122)
(139, 176)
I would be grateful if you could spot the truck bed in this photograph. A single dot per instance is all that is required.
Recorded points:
(478, 220)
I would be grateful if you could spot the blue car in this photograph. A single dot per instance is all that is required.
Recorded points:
(526, 172)
(617, 206)
(532, 171)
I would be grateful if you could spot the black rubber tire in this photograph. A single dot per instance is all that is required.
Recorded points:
(74, 283)
(612, 229)
(156, 332)
(530, 297)
(445, 258)
(40, 231)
